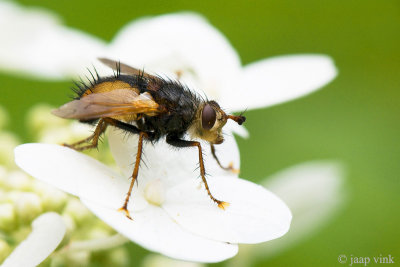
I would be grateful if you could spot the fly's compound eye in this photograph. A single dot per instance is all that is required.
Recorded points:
(208, 117)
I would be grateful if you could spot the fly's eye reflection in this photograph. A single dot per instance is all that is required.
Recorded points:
(208, 117)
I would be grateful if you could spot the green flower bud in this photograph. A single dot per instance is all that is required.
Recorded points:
(52, 198)
(77, 211)
(18, 180)
(39, 118)
(69, 133)
(8, 220)
(77, 258)
(28, 206)
(21, 234)
(8, 142)
(3, 176)
(5, 250)
(118, 257)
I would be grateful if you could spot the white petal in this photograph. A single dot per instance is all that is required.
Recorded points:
(47, 232)
(280, 79)
(33, 41)
(38, 160)
(183, 42)
(153, 229)
(254, 214)
(314, 192)
(75, 173)
(171, 165)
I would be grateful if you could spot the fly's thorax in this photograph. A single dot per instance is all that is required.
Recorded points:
(208, 123)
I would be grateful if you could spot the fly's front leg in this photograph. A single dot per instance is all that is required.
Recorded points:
(230, 166)
(177, 142)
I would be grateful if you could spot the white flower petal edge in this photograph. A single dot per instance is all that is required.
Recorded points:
(254, 215)
(172, 165)
(153, 229)
(34, 42)
(47, 232)
(182, 42)
(75, 173)
(279, 79)
(314, 191)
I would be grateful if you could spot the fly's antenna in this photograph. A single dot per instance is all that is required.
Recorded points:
(239, 119)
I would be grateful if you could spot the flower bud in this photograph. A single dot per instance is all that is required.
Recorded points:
(5, 250)
(8, 142)
(118, 257)
(7, 217)
(52, 198)
(77, 211)
(40, 118)
(18, 180)
(28, 206)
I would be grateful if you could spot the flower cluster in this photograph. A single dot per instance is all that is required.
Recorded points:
(172, 214)
(43, 217)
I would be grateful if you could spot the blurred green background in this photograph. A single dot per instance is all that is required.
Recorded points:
(354, 119)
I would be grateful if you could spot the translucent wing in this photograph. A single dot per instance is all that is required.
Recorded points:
(119, 102)
(123, 68)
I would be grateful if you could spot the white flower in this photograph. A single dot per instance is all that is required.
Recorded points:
(314, 191)
(184, 43)
(172, 213)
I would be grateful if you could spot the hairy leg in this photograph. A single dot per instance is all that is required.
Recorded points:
(177, 142)
(135, 173)
(101, 127)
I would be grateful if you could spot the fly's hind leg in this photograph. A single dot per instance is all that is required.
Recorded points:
(92, 139)
(230, 166)
(177, 142)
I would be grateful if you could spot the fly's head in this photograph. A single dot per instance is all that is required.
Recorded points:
(209, 121)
